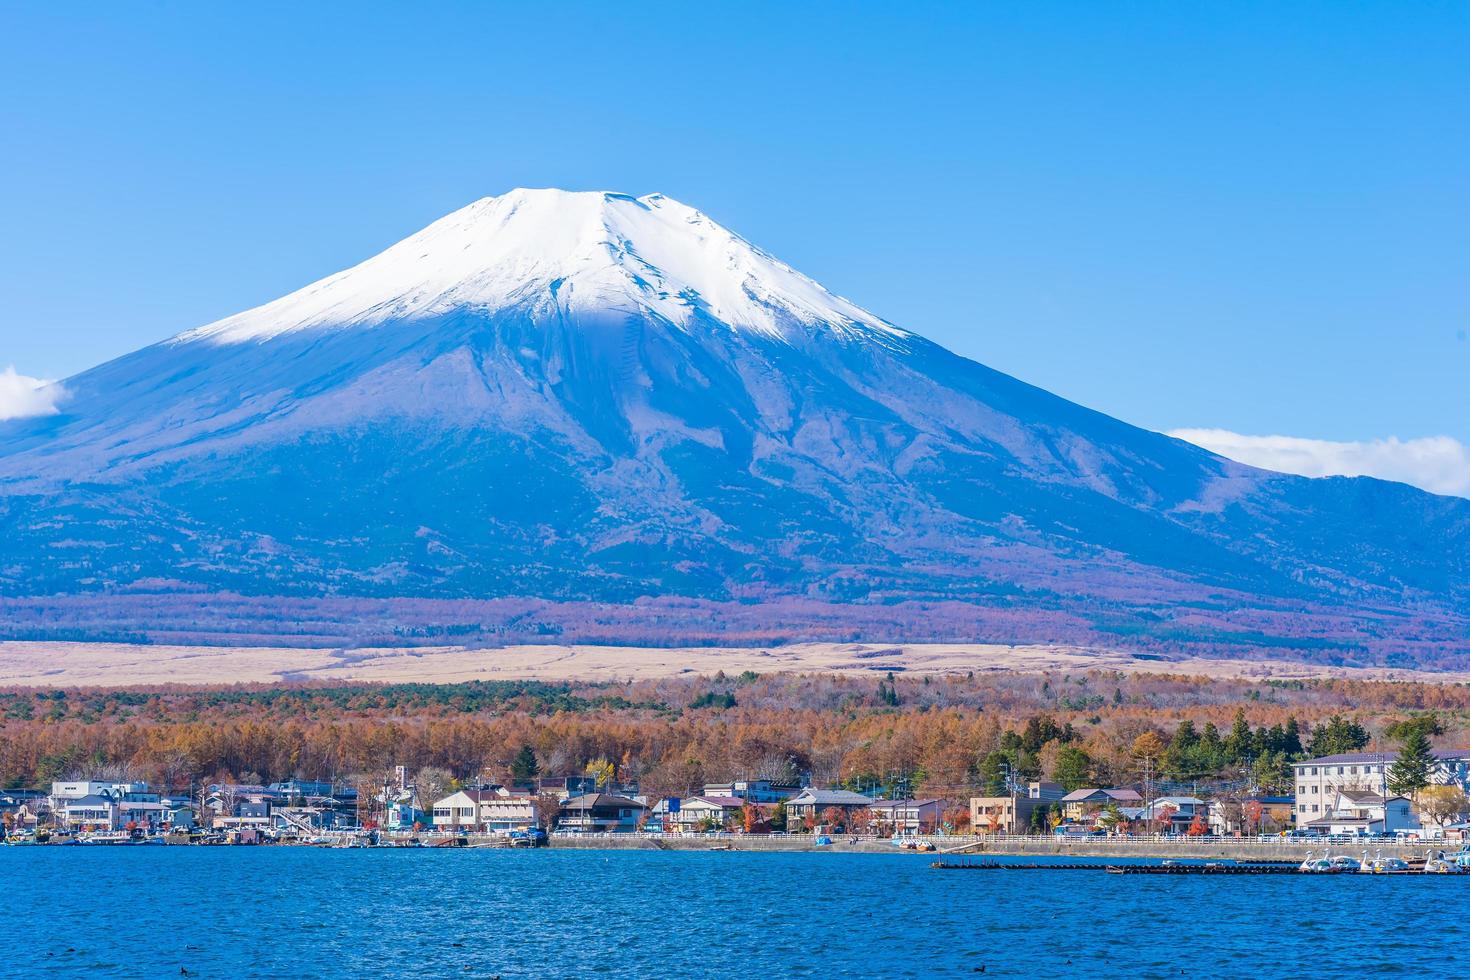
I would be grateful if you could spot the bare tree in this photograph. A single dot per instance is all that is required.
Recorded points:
(430, 785)
(548, 808)
(1444, 805)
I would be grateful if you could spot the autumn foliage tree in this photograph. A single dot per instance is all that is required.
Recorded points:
(1251, 812)
(950, 738)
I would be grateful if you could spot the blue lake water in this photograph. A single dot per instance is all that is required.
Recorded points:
(305, 912)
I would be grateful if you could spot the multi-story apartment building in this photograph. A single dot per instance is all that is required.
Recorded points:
(1318, 781)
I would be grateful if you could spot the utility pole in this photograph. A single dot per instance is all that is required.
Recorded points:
(1148, 794)
(1010, 785)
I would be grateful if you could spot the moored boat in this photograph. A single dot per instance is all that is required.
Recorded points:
(1311, 865)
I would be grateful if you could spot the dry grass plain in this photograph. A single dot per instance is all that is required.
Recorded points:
(45, 664)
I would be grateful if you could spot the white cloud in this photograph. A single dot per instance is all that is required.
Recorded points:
(1438, 464)
(21, 397)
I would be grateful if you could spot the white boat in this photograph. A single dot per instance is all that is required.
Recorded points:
(1313, 865)
(1346, 863)
(1381, 865)
(1441, 865)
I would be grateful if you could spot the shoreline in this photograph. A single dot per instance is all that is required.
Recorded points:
(1286, 850)
(1242, 850)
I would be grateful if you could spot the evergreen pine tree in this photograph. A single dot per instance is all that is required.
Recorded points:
(1209, 739)
(1338, 735)
(1240, 743)
(992, 774)
(1292, 739)
(523, 768)
(1411, 770)
(1185, 737)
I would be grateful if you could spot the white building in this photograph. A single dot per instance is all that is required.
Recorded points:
(1357, 812)
(63, 793)
(502, 814)
(906, 816)
(698, 812)
(494, 810)
(91, 812)
(1318, 781)
(460, 811)
(1178, 812)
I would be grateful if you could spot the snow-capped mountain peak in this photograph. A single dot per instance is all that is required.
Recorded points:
(555, 251)
(569, 414)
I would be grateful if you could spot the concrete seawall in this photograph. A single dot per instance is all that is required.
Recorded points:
(1287, 849)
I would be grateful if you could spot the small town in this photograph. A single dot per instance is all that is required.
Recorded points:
(1344, 799)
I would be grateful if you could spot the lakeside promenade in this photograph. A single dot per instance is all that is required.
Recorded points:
(1291, 850)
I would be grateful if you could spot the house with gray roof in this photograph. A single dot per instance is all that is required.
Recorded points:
(600, 813)
(808, 807)
(1363, 812)
(1079, 803)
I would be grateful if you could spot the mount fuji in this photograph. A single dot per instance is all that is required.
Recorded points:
(601, 417)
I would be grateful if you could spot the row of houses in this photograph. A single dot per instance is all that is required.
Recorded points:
(101, 805)
(498, 809)
(1124, 810)
(1339, 794)
(136, 807)
(293, 808)
(1335, 796)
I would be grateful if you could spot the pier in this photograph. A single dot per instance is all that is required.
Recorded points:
(1277, 868)
(1208, 868)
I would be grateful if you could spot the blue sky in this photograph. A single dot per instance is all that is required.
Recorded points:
(1249, 217)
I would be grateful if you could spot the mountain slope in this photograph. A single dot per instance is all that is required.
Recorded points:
(562, 399)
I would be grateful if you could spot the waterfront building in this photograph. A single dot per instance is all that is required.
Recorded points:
(494, 810)
(91, 812)
(906, 816)
(698, 813)
(1015, 813)
(1172, 814)
(234, 805)
(1234, 815)
(300, 789)
(1363, 812)
(403, 815)
(460, 811)
(503, 812)
(810, 805)
(1012, 814)
(142, 816)
(22, 805)
(1319, 780)
(1045, 791)
(179, 816)
(600, 813)
(1081, 803)
(63, 793)
(97, 812)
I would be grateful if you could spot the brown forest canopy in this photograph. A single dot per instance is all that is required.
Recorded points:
(940, 735)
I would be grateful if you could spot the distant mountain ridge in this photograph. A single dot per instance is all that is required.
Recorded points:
(591, 415)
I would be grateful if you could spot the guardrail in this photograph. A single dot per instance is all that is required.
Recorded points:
(966, 840)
